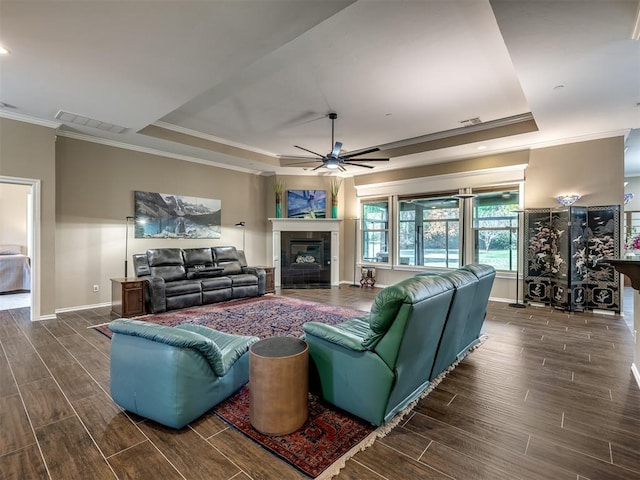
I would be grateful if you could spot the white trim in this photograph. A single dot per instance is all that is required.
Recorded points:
(451, 181)
(34, 241)
(502, 300)
(82, 307)
(636, 373)
(27, 119)
(45, 317)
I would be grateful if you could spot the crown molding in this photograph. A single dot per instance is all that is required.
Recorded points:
(29, 119)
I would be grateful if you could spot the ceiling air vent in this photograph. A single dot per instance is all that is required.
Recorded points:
(76, 119)
(471, 121)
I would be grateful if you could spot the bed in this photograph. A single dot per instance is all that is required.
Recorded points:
(15, 269)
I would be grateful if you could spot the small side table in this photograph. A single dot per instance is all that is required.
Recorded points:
(127, 296)
(368, 277)
(278, 385)
(270, 286)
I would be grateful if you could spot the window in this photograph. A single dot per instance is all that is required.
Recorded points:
(495, 226)
(429, 232)
(375, 231)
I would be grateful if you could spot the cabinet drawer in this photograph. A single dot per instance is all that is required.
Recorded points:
(131, 285)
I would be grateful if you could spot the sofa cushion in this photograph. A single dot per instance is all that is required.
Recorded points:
(181, 338)
(231, 268)
(244, 279)
(231, 346)
(164, 256)
(225, 254)
(388, 302)
(182, 287)
(215, 283)
(170, 273)
(198, 256)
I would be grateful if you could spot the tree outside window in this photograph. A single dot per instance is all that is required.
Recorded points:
(429, 231)
(496, 229)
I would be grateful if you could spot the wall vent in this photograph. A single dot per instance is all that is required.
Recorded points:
(76, 119)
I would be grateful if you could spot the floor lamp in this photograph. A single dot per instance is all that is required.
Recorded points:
(242, 225)
(126, 242)
(517, 303)
(355, 250)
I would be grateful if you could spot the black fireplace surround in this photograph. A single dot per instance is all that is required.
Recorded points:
(305, 260)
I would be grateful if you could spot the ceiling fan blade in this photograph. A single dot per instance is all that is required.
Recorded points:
(306, 150)
(364, 152)
(341, 168)
(319, 166)
(357, 165)
(336, 150)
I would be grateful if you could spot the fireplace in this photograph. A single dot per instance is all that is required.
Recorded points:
(305, 260)
(306, 252)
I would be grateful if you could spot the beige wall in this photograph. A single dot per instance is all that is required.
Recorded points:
(96, 185)
(28, 151)
(13, 214)
(593, 169)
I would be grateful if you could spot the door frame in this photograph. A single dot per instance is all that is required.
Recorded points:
(33, 234)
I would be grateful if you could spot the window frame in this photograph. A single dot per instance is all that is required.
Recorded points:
(431, 196)
(513, 229)
(387, 232)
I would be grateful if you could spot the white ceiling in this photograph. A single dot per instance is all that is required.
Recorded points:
(261, 76)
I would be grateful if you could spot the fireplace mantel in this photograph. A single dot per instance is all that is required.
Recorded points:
(307, 225)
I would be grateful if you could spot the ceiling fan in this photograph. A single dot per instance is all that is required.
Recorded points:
(333, 160)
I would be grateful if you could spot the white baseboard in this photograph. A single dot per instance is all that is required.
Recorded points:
(636, 373)
(502, 300)
(51, 316)
(82, 307)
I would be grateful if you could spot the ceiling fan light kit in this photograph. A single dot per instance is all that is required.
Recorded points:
(334, 160)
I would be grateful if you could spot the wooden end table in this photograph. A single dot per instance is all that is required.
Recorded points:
(127, 296)
(278, 385)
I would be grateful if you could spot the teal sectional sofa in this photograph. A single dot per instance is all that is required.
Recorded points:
(375, 365)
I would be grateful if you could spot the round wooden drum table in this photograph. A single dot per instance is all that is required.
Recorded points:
(278, 385)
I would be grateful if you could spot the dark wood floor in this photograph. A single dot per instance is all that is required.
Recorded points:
(549, 395)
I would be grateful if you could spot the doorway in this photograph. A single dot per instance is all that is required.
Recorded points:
(21, 231)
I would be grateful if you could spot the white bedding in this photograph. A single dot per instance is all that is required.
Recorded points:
(15, 273)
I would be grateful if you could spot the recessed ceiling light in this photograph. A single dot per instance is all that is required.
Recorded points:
(4, 51)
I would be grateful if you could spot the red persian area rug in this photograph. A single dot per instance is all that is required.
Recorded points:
(329, 436)
(266, 316)
(326, 437)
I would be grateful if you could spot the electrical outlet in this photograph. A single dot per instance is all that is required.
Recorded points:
(96, 288)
